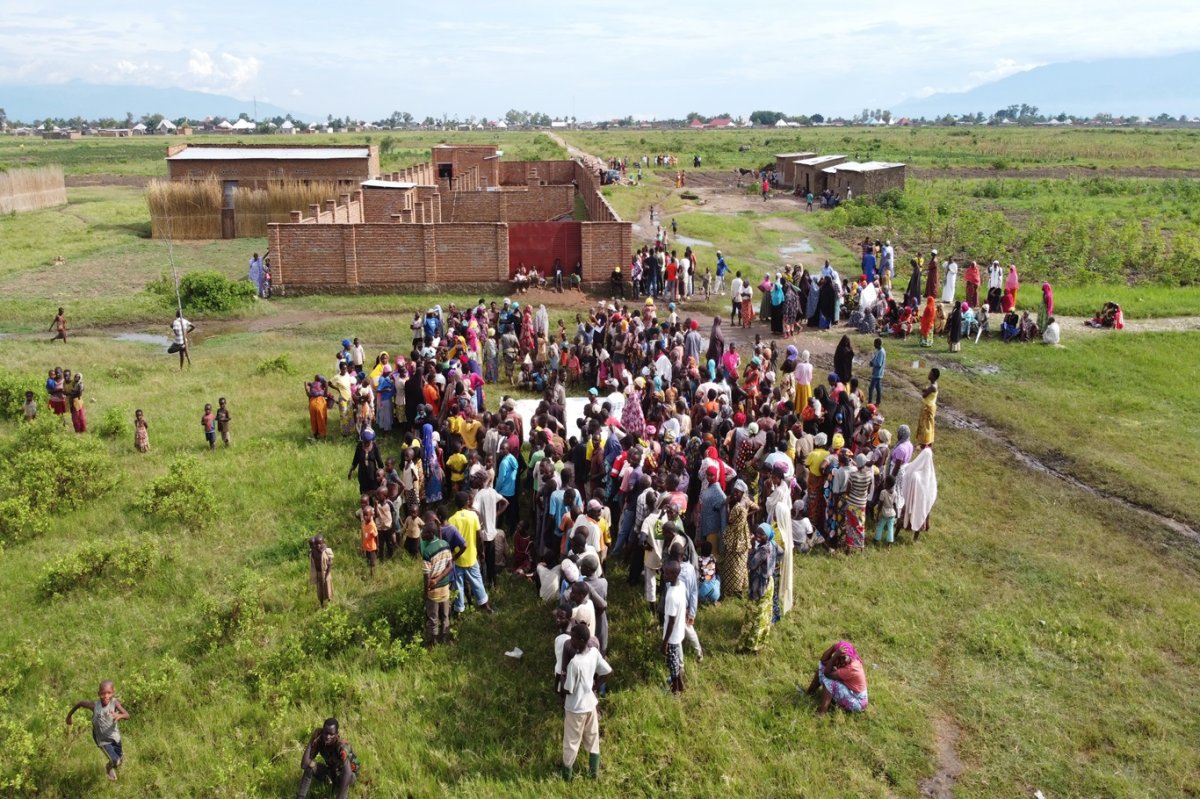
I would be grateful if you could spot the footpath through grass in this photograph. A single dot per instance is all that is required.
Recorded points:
(1052, 630)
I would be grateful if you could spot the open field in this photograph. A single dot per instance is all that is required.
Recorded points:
(1026, 598)
(144, 156)
(1040, 637)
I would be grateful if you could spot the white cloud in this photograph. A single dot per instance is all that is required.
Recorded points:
(296, 93)
(225, 74)
(200, 64)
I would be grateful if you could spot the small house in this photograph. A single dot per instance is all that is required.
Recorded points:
(785, 166)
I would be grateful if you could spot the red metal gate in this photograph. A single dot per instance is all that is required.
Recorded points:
(537, 244)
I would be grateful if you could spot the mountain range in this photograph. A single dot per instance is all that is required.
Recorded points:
(93, 101)
(1120, 86)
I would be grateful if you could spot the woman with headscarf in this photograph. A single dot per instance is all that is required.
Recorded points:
(385, 393)
(632, 419)
(951, 281)
(971, 279)
(433, 466)
(1012, 285)
(804, 373)
(541, 322)
(812, 302)
(858, 494)
(734, 542)
(74, 396)
(1047, 309)
(927, 423)
(791, 308)
(919, 489)
(777, 300)
(761, 565)
(716, 341)
(764, 304)
(931, 276)
(778, 508)
(914, 281)
(928, 317)
(841, 679)
(954, 327)
(827, 303)
(843, 360)
(528, 334)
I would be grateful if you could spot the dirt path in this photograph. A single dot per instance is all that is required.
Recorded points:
(945, 739)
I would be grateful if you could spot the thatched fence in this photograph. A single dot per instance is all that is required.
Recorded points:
(32, 188)
(191, 209)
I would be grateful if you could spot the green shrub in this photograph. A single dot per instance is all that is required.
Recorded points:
(280, 364)
(119, 562)
(45, 469)
(212, 292)
(234, 616)
(184, 495)
(151, 683)
(12, 394)
(20, 748)
(331, 631)
(114, 423)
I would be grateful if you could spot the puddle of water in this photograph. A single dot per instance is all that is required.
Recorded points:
(690, 242)
(797, 248)
(986, 369)
(144, 338)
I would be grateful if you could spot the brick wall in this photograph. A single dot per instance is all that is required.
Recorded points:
(309, 257)
(589, 186)
(605, 245)
(256, 173)
(518, 173)
(535, 204)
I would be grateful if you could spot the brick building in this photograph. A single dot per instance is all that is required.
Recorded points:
(254, 166)
(864, 179)
(785, 167)
(465, 218)
(810, 175)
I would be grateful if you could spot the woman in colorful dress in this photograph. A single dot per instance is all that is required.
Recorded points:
(841, 679)
(927, 423)
(760, 564)
(735, 541)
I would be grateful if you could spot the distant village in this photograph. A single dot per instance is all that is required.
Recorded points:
(157, 124)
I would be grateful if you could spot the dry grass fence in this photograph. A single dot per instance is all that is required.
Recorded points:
(192, 209)
(32, 188)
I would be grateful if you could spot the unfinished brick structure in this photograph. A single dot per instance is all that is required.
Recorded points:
(255, 166)
(785, 167)
(466, 218)
(809, 175)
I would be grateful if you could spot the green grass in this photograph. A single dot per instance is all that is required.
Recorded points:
(1141, 301)
(925, 147)
(1062, 644)
(143, 156)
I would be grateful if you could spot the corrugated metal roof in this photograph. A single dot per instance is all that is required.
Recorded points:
(804, 154)
(268, 153)
(820, 159)
(388, 184)
(869, 166)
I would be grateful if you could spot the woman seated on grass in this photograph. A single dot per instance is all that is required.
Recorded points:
(1010, 328)
(841, 680)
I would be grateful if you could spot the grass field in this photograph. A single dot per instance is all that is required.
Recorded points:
(1064, 654)
(144, 156)
(1050, 638)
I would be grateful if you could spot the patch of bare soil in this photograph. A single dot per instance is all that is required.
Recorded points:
(137, 181)
(941, 785)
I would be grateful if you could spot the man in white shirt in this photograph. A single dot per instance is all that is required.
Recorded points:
(581, 725)
(488, 504)
(735, 298)
(180, 327)
(674, 623)
(662, 366)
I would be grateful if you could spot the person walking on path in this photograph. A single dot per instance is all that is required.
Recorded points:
(60, 325)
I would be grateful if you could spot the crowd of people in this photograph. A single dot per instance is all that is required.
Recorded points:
(693, 471)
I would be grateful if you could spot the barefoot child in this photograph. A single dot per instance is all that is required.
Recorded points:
(209, 422)
(106, 712)
(141, 432)
(31, 407)
(370, 533)
(60, 325)
(223, 420)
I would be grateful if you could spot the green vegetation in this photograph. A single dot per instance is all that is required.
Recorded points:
(937, 147)
(1032, 607)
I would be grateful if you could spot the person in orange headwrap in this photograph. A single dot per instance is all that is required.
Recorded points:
(928, 315)
(971, 278)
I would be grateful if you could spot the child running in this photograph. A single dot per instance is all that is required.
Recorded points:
(209, 422)
(106, 712)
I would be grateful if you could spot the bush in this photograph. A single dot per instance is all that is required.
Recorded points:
(212, 292)
(12, 394)
(21, 749)
(184, 495)
(280, 364)
(45, 470)
(233, 617)
(122, 562)
(114, 423)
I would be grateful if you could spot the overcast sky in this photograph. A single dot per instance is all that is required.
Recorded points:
(587, 58)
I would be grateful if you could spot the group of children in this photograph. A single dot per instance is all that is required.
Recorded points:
(212, 423)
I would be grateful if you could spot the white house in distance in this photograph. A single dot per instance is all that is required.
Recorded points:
(287, 128)
(165, 126)
(244, 126)
(139, 129)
